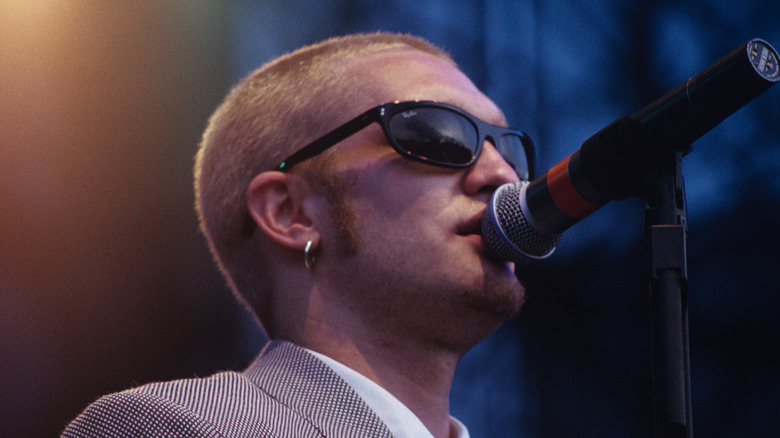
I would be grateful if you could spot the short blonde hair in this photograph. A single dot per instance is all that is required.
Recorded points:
(274, 111)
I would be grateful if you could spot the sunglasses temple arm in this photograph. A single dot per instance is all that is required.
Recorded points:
(331, 139)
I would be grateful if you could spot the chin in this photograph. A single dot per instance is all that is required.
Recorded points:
(498, 299)
(485, 316)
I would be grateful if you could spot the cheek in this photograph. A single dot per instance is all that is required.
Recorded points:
(391, 195)
(400, 204)
(400, 221)
(400, 188)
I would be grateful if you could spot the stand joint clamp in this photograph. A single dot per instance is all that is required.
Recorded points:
(669, 249)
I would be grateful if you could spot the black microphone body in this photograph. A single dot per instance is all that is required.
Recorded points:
(524, 221)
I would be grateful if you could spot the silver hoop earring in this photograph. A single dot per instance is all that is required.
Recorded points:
(308, 257)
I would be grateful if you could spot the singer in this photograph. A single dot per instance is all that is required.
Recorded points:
(341, 190)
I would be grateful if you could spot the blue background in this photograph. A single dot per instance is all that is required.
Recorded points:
(105, 282)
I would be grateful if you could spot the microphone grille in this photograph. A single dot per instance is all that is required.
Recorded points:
(508, 232)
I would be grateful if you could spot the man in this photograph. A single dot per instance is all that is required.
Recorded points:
(361, 256)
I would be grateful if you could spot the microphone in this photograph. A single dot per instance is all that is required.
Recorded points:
(524, 221)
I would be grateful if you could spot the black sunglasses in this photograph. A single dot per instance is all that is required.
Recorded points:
(433, 133)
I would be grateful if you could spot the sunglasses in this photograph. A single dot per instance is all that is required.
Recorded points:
(433, 133)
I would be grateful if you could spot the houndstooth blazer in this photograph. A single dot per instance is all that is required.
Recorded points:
(286, 392)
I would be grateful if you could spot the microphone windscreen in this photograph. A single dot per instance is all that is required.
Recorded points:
(507, 230)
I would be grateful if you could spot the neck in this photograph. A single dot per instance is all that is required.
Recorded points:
(412, 356)
(419, 377)
(414, 370)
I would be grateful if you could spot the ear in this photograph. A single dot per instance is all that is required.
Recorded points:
(276, 203)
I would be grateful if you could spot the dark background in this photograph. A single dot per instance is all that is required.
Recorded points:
(105, 282)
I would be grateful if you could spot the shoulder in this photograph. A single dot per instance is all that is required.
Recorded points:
(286, 392)
(138, 413)
(226, 404)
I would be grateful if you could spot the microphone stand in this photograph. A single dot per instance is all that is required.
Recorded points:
(641, 155)
(683, 115)
(666, 232)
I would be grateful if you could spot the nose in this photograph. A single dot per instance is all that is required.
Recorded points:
(489, 172)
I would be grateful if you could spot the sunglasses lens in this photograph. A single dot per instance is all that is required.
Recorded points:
(511, 149)
(435, 134)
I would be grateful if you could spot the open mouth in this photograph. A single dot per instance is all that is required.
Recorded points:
(471, 227)
(472, 230)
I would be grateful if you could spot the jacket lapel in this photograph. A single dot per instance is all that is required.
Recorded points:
(306, 385)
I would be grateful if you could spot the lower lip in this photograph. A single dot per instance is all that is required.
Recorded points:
(477, 240)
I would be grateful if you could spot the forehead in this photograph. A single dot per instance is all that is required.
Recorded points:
(414, 75)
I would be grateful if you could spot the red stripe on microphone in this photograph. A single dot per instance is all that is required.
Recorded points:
(563, 193)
